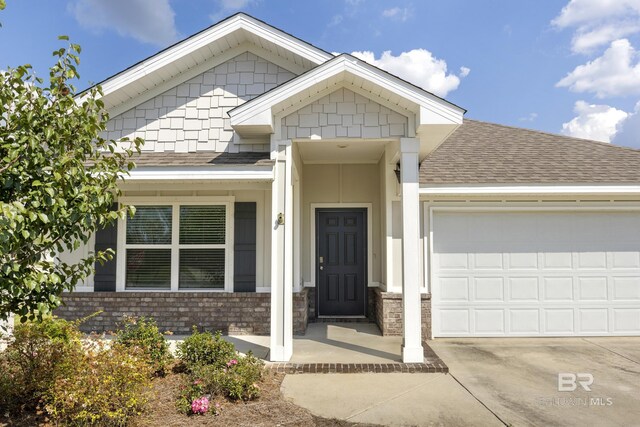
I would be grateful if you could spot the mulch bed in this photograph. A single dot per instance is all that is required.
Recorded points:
(271, 409)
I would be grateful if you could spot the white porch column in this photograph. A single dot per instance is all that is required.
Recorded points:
(282, 255)
(412, 351)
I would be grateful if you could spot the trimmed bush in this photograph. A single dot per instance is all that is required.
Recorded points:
(108, 386)
(204, 348)
(143, 333)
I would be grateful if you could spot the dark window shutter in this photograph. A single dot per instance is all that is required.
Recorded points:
(105, 277)
(244, 255)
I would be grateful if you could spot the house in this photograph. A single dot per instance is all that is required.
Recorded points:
(280, 183)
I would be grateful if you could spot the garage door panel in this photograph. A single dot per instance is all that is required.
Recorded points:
(522, 260)
(523, 289)
(524, 321)
(626, 320)
(488, 261)
(536, 273)
(557, 260)
(626, 288)
(489, 321)
(592, 260)
(454, 289)
(625, 259)
(489, 289)
(558, 289)
(453, 261)
(594, 320)
(454, 322)
(592, 289)
(558, 321)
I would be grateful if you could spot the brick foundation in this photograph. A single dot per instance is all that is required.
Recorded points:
(229, 312)
(388, 308)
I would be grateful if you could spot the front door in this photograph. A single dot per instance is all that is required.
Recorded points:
(341, 265)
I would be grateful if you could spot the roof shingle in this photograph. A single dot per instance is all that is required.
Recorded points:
(486, 153)
(200, 158)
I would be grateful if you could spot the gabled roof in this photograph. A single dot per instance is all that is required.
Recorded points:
(353, 73)
(485, 153)
(198, 49)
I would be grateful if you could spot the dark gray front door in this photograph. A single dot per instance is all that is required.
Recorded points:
(341, 262)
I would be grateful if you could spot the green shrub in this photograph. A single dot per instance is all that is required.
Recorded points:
(237, 381)
(38, 354)
(107, 386)
(205, 349)
(144, 334)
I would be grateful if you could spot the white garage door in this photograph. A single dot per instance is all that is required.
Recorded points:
(536, 273)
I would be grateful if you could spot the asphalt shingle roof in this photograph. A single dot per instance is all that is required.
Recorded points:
(206, 158)
(487, 153)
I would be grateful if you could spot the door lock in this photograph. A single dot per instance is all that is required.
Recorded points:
(321, 259)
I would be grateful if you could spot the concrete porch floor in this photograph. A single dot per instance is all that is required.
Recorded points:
(331, 343)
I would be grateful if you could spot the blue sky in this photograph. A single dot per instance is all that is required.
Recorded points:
(562, 66)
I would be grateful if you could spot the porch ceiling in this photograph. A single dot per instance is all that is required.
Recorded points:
(341, 150)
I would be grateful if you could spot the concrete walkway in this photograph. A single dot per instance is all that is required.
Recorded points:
(388, 399)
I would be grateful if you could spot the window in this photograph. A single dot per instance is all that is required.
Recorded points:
(178, 246)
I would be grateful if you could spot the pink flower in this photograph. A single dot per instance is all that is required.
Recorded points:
(196, 382)
(200, 406)
(232, 362)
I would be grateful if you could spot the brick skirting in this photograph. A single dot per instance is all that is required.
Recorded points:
(389, 313)
(230, 312)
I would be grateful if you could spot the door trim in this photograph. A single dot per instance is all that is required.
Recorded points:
(367, 261)
(313, 236)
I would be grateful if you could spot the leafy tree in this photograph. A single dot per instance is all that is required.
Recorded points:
(58, 182)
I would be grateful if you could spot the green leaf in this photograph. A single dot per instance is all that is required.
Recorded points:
(63, 37)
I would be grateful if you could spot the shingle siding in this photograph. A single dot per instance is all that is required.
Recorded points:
(193, 116)
(343, 114)
(487, 153)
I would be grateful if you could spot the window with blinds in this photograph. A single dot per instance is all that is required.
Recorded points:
(187, 240)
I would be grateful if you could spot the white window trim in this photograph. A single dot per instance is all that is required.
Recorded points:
(175, 203)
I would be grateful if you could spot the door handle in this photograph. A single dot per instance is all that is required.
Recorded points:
(321, 267)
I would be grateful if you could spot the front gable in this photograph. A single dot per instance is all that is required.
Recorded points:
(192, 116)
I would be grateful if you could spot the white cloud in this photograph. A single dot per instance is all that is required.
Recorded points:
(629, 130)
(397, 13)
(336, 20)
(586, 41)
(464, 71)
(148, 21)
(598, 22)
(529, 117)
(615, 73)
(596, 122)
(419, 67)
(228, 7)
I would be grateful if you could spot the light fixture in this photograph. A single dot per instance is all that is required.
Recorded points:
(397, 171)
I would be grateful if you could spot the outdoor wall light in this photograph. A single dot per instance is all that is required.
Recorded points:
(397, 171)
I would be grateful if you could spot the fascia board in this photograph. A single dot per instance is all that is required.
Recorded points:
(530, 189)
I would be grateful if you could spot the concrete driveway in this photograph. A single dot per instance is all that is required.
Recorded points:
(517, 379)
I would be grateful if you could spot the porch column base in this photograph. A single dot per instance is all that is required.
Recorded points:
(412, 354)
(279, 353)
